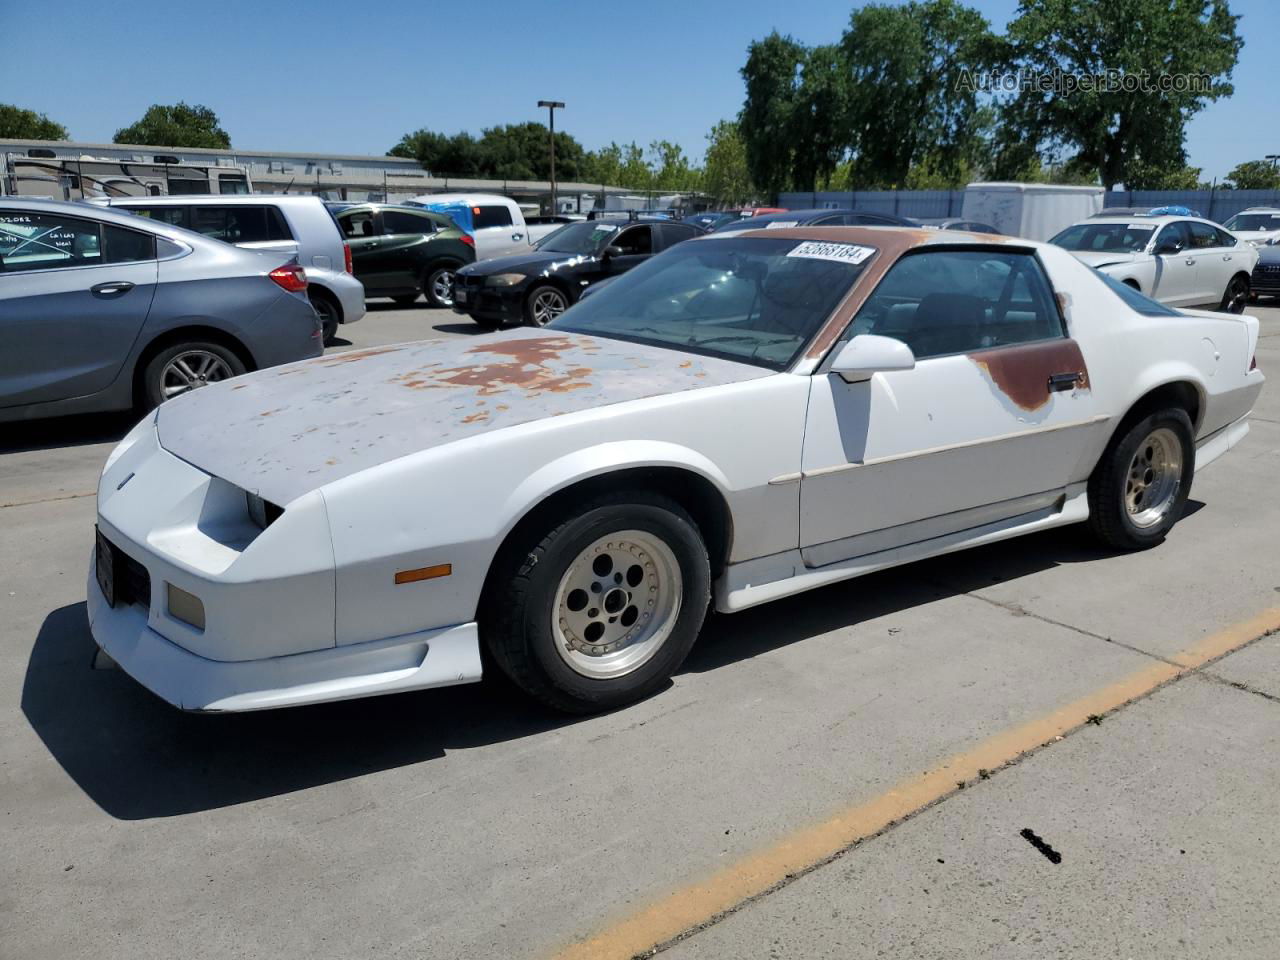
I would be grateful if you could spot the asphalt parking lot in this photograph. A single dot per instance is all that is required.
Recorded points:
(1032, 749)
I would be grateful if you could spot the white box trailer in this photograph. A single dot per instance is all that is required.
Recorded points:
(1036, 211)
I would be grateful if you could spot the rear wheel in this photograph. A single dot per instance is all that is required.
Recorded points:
(184, 367)
(1138, 490)
(544, 304)
(601, 609)
(1237, 295)
(437, 284)
(329, 317)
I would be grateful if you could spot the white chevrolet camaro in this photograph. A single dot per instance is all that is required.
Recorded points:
(739, 419)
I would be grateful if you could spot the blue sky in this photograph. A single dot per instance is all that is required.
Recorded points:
(345, 77)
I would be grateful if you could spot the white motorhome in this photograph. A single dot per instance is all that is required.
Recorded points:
(1036, 211)
(85, 177)
(497, 223)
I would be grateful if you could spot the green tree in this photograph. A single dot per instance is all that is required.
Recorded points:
(725, 174)
(909, 102)
(439, 154)
(1255, 175)
(179, 125)
(19, 124)
(767, 123)
(1122, 132)
(521, 151)
(671, 168)
(819, 119)
(1144, 177)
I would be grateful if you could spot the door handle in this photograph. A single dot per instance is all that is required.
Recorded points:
(517, 236)
(1064, 381)
(1190, 261)
(1226, 256)
(112, 288)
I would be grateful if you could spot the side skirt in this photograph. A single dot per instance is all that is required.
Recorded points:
(768, 578)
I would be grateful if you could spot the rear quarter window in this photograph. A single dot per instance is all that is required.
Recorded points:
(490, 217)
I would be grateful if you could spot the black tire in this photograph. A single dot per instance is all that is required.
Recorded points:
(432, 278)
(408, 300)
(1236, 297)
(557, 302)
(156, 375)
(518, 608)
(330, 316)
(1110, 486)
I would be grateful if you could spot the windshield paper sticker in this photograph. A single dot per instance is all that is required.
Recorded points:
(778, 224)
(840, 252)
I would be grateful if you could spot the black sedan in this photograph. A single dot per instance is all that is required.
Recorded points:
(1266, 275)
(535, 288)
(817, 218)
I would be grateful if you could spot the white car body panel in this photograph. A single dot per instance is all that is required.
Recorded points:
(518, 237)
(431, 453)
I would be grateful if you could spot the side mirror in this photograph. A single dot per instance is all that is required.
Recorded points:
(613, 252)
(1168, 246)
(867, 353)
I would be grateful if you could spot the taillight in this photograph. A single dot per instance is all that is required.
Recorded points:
(291, 276)
(346, 257)
(469, 240)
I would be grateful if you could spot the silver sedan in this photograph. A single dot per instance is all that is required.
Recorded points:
(106, 311)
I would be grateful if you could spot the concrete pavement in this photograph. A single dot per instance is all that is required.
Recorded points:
(468, 823)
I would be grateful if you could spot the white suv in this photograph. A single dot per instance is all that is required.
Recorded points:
(300, 224)
(1258, 225)
(1181, 261)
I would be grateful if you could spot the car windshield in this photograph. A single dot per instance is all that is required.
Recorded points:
(755, 300)
(584, 237)
(1254, 221)
(1105, 237)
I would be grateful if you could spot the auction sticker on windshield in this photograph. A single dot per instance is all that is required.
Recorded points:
(840, 252)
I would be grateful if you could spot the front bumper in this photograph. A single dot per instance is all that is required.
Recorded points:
(505, 304)
(432, 658)
(1266, 280)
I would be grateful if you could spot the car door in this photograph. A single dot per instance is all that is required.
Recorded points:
(632, 246)
(990, 425)
(1175, 266)
(74, 294)
(361, 229)
(404, 240)
(1214, 258)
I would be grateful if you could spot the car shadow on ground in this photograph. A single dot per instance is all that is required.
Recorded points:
(72, 431)
(138, 758)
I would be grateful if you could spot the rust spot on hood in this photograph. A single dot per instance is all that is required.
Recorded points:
(1022, 372)
(529, 367)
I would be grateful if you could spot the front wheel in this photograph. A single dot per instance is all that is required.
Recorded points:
(543, 305)
(1139, 487)
(1237, 296)
(601, 609)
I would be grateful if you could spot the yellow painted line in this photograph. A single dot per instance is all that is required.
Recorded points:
(800, 851)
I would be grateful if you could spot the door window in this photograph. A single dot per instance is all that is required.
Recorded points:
(126, 246)
(35, 241)
(357, 225)
(1175, 233)
(673, 233)
(959, 301)
(635, 241)
(177, 216)
(1203, 235)
(1225, 239)
(240, 224)
(397, 221)
(490, 217)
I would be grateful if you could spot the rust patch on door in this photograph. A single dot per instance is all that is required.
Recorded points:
(1022, 372)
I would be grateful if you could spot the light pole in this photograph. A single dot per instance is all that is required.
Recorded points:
(1273, 157)
(551, 112)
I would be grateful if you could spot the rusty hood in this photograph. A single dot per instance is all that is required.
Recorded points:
(285, 431)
